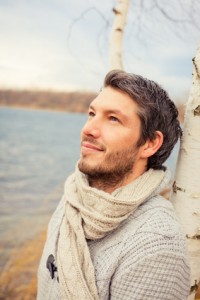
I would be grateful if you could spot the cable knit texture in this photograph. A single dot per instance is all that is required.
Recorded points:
(127, 245)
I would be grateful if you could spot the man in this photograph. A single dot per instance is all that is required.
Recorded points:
(113, 236)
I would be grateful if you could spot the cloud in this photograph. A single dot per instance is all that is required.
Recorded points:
(36, 52)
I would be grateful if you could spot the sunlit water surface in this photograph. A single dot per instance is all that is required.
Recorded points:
(38, 149)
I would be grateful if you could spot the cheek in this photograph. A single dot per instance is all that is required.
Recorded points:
(118, 140)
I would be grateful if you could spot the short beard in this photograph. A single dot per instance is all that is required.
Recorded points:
(112, 171)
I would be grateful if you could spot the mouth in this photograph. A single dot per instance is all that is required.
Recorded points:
(89, 148)
(86, 146)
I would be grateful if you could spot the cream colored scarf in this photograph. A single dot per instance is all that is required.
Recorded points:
(91, 214)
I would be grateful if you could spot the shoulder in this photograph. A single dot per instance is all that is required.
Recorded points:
(154, 228)
(157, 216)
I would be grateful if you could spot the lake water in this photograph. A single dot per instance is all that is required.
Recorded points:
(38, 149)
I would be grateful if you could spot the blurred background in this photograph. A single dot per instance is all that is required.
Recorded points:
(53, 59)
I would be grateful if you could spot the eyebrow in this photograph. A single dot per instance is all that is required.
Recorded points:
(113, 111)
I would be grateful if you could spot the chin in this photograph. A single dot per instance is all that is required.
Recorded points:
(85, 166)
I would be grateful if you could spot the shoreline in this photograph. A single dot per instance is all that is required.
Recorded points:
(37, 108)
(47, 100)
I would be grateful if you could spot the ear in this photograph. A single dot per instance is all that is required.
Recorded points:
(151, 147)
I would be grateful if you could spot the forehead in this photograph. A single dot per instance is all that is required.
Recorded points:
(114, 99)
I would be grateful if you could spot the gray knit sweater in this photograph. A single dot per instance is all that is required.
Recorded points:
(145, 258)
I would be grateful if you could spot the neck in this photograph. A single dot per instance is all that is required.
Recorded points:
(110, 182)
(105, 186)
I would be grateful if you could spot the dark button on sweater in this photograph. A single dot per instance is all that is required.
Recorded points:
(51, 265)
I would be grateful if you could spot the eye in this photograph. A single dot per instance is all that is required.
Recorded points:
(114, 119)
(91, 114)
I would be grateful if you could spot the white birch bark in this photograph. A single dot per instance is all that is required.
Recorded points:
(186, 189)
(117, 32)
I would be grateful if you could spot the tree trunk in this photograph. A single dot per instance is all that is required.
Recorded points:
(117, 32)
(186, 188)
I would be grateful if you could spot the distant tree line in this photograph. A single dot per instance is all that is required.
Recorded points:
(48, 100)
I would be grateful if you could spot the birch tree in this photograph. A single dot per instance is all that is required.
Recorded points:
(117, 32)
(149, 23)
(186, 188)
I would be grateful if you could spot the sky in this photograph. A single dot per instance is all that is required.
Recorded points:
(64, 44)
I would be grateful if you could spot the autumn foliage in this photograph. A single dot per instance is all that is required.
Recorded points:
(47, 100)
(18, 280)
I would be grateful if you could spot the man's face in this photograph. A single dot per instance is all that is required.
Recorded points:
(109, 137)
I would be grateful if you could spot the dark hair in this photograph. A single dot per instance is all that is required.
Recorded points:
(156, 112)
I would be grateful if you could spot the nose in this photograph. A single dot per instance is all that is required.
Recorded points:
(91, 128)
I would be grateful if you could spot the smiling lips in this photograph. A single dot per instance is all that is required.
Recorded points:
(90, 147)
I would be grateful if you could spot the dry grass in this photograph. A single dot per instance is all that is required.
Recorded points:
(19, 278)
(197, 294)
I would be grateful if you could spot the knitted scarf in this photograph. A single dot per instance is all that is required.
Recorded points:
(91, 214)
